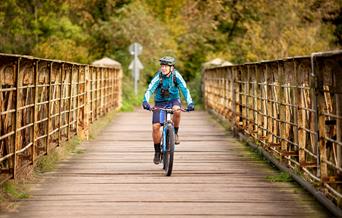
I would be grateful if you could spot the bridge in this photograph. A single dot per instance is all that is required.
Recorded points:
(289, 110)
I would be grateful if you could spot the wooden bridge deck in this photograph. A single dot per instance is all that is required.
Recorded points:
(214, 175)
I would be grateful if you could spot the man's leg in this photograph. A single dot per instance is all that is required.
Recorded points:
(176, 121)
(156, 135)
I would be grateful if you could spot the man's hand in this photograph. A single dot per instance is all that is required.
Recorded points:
(146, 106)
(191, 107)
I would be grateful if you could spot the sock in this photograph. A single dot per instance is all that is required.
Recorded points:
(176, 130)
(157, 147)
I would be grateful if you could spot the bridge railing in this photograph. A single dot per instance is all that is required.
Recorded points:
(291, 107)
(45, 102)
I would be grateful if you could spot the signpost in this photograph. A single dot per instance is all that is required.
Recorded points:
(135, 49)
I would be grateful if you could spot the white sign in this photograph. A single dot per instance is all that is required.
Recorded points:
(135, 49)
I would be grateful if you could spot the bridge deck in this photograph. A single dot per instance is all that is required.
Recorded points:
(214, 175)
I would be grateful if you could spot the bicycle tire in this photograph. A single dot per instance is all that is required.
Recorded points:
(169, 153)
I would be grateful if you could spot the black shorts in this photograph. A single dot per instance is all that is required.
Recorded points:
(156, 113)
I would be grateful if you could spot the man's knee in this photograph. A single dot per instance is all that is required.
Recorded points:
(176, 110)
(156, 127)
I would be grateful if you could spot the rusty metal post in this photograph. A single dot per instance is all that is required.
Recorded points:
(301, 116)
(338, 94)
(91, 97)
(97, 85)
(314, 94)
(35, 109)
(87, 102)
(77, 100)
(233, 97)
(70, 101)
(101, 93)
(61, 89)
(295, 111)
(338, 80)
(17, 120)
(49, 109)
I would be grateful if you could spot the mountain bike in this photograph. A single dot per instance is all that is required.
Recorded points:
(167, 143)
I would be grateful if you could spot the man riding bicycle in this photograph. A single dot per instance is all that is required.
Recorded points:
(165, 85)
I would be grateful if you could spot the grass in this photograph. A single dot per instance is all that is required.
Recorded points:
(49, 162)
(13, 191)
(10, 192)
(254, 153)
(280, 177)
(100, 124)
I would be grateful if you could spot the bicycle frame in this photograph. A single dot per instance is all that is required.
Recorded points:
(167, 121)
(168, 138)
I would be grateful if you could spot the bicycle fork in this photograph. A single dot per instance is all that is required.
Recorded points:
(165, 129)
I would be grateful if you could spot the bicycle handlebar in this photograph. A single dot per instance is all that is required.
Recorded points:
(168, 109)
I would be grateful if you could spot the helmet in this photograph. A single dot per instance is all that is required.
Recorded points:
(167, 60)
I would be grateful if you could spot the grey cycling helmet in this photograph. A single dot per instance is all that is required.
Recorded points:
(167, 60)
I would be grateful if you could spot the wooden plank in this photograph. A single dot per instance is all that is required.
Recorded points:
(213, 176)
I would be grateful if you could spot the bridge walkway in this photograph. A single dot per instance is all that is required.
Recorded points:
(214, 175)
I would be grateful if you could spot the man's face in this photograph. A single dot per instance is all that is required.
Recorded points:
(165, 69)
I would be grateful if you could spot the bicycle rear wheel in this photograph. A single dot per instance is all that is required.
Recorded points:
(168, 154)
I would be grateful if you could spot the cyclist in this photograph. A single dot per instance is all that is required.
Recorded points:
(165, 85)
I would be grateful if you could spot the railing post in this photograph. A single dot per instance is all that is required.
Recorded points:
(87, 103)
(97, 94)
(295, 111)
(112, 74)
(317, 118)
(107, 90)
(17, 120)
(301, 116)
(35, 108)
(61, 87)
(49, 109)
(101, 91)
(233, 97)
(92, 92)
(338, 86)
(70, 101)
(77, 100)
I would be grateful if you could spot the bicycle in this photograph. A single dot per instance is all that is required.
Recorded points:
(168, 138)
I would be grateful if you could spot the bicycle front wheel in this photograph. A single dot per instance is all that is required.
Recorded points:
(170, 147)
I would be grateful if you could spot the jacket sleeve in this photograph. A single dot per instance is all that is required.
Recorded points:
(182, 85)
(151, 87)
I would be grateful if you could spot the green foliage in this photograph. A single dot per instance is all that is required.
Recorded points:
(129, 99)
(194, 85)
(280, 177)
(191, 30)
(99, 124)
(12, 190)
(49, 162)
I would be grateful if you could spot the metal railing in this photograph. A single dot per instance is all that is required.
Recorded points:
(45, 102)
(291, 107)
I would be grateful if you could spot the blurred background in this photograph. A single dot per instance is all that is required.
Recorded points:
(194, 31)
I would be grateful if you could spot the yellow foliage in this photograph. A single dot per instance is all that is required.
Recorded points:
(62, 49)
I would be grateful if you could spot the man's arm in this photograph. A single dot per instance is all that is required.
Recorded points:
(151, 87)
(182, 85)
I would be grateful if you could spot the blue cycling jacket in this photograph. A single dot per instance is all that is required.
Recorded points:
(168, 84)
